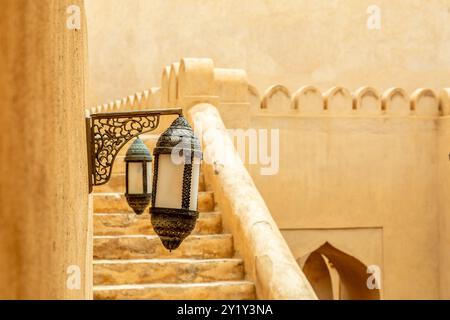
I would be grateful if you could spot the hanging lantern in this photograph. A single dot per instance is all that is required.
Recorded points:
(175, 184)
(138, 176)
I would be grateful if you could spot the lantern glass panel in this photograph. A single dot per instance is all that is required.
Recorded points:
(194, 186)
(135, 178)
(170, 183)
(149, 177)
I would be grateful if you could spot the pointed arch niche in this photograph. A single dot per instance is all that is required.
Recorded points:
(338, 262)
(336, 275)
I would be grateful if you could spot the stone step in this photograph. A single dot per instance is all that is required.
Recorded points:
(121, 272)
(150, 247)
(117, 184)
(116, 202)
(116, 224)
(229, 290)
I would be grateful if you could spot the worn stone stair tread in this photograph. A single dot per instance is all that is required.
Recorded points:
(221, 290)
(143, 271)
(150, 246)
(168, 260)
(206, 236)
(145, 216)
(116, 202)
(172, 285)
(130, 223)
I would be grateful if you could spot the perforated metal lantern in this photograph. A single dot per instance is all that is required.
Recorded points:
(177, 158)
(138, 176)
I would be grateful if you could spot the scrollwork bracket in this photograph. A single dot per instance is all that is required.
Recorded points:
(108, 133)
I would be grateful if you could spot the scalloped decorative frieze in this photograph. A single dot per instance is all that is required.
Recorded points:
(308, 100)
(138, 101)
(277, 99)
(365, 101)
(395, 101)
(425, 102)
(197, 77)
(338, 101)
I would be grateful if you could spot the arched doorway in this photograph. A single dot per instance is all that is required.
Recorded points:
(335, 275)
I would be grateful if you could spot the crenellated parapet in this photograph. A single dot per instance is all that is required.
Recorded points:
(278, 96)
(339, 101)
(197, 80)
(310, 99)
(367, 101)
(425, 102)
(143, 100)
(396, 101)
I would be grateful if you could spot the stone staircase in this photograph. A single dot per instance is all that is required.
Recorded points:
(131, 263)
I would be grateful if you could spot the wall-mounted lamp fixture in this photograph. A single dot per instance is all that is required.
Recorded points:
(175, 185)
(138, 176)
(176, 167)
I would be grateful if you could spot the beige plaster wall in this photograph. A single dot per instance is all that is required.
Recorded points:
(358, 162)
(351, 174)
(291, 42)
(44, 217)
(444, 199)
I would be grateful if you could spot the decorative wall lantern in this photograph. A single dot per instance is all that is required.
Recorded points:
(138, 177)
(177, 159)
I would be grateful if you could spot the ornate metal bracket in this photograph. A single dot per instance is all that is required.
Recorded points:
(107, 133)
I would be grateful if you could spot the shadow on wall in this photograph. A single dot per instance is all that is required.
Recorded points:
(335, 275)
